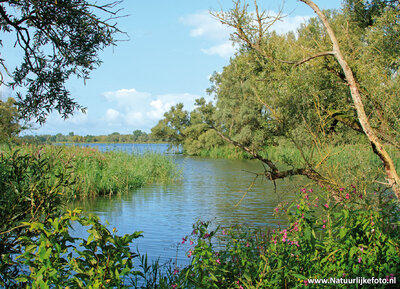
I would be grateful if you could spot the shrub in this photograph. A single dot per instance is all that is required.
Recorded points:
(325, 238)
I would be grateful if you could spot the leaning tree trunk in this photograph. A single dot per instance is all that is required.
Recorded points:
(391, 173)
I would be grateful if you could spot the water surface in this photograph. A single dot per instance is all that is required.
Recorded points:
(210, 189)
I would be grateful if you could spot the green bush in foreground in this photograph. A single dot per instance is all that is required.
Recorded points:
(324, 239)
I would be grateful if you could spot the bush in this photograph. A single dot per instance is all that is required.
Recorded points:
(353, 235)
(37, 249)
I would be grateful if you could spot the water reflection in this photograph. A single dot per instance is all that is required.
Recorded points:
(211, 189)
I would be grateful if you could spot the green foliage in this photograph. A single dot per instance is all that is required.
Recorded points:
(137, 136)
(9, 116)
(356, 237)
(95, 173)
(289, 89)
(189, 130)
(58, 39)
(29, 193)
(38, 248)
(57, 260)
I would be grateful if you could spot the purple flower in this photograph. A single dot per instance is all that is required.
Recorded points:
(306, 197)
(359, 260)
(174, 286)
(183, 240)
(341, 189)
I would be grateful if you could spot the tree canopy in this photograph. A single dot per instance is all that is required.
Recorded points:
(295, 87)
(9, 116)
(58, 39)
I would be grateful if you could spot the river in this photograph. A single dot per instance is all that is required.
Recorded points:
(210, 189)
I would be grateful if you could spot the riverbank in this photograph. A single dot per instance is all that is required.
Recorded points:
(93, 173)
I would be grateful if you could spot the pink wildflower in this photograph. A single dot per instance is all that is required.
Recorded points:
(176, 271)
(341, 189)
(310, 190)
(298, 206)
(191, 242)
(303, 190)
(306, 197)
(247, 244)
(305, 282)
(190, 254)
(347, 196)
(276, 210)
(174, 286)
(183, 240)
(326, 206)
(323, 227)
(359, 260)
(218, 261)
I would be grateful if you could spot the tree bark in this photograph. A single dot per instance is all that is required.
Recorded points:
(390, 169)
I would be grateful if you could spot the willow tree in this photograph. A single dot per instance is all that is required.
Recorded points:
(342, 69)
(58, 39)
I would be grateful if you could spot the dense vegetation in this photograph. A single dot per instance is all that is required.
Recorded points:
(288, 91)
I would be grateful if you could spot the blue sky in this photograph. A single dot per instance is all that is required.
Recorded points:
(173, 48)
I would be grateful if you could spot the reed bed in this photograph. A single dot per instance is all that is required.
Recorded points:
(93, 173)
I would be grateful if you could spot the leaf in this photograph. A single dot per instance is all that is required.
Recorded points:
(299, 276)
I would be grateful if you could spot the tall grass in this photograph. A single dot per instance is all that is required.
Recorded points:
(224, 152)
(94, 173)
(350, 164)
(347, 164)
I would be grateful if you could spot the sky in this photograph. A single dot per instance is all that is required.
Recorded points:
(173, 48)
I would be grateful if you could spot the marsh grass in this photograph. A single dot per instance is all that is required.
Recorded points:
(94, 173)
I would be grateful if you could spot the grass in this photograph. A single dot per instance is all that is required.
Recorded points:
(94, 173)
(349, 163)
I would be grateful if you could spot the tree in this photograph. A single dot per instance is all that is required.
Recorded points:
(305, 80)
(9, 116)
(59, 39)
(190, 130)
(376, 143)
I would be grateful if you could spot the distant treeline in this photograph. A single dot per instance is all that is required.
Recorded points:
(137, 136)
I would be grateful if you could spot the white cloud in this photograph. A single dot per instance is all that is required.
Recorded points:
(140, 110)
(207, 26)
(224, 50)
(218, 35)
(112, 114)
(288, 23)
